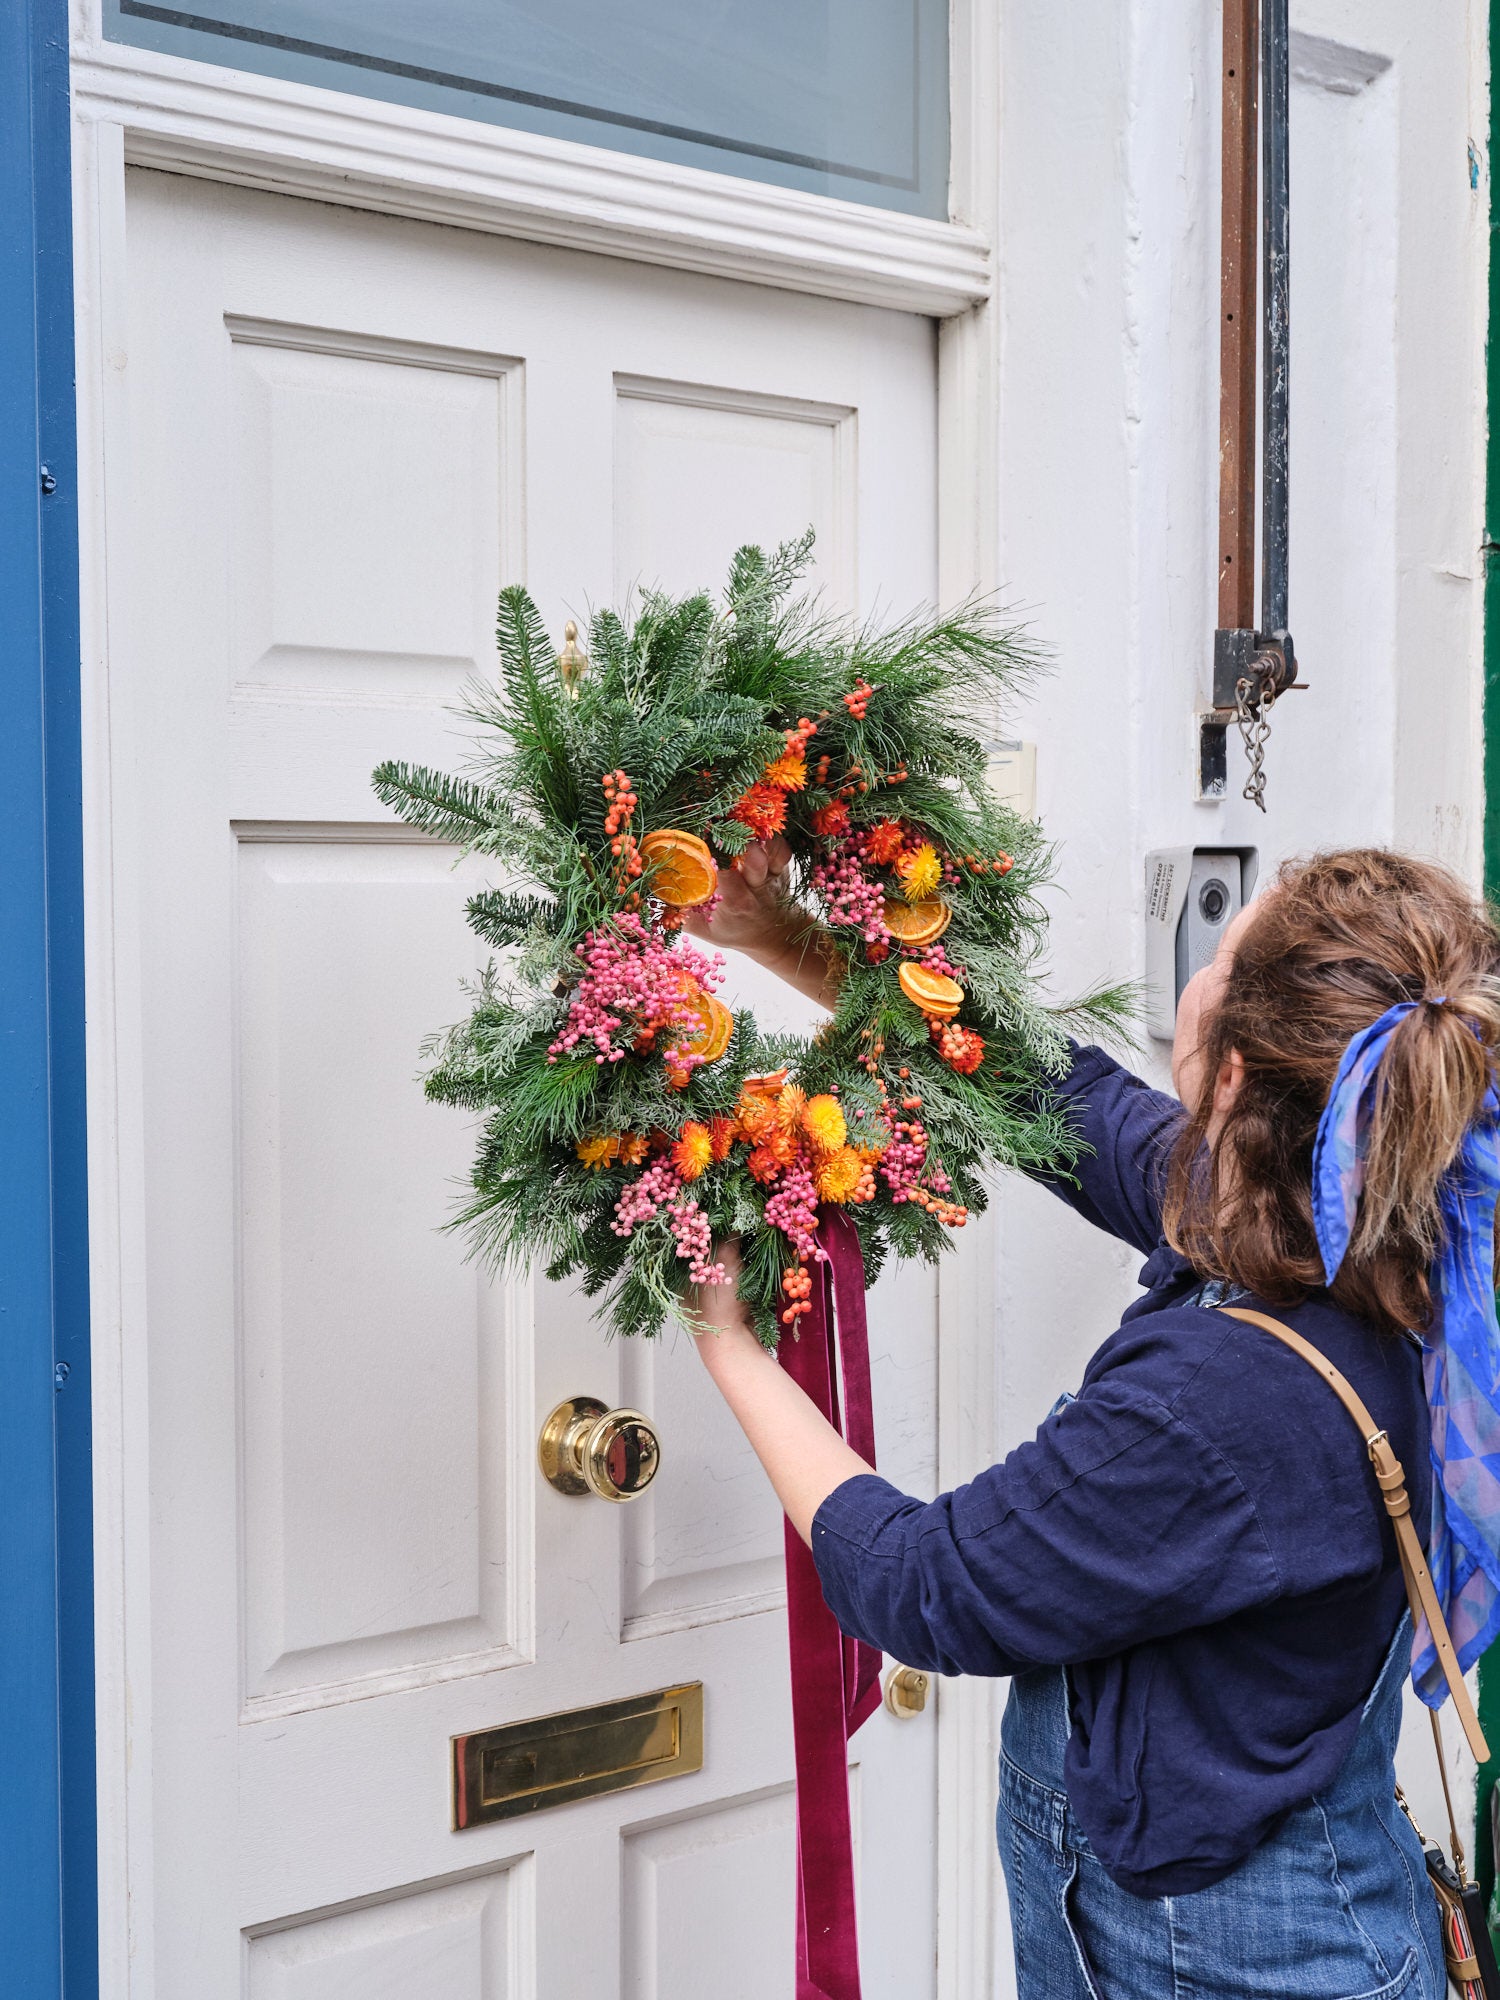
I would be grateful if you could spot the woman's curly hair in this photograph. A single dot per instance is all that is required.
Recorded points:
(1333, 943)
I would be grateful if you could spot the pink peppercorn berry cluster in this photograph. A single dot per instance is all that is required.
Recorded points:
(793, 1209)
(635, 983)
(660, 1188)
(851, 897)
(694, 1239)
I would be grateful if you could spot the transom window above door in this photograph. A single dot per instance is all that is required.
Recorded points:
(837, 97)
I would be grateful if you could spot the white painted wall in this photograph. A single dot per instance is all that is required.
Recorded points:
(1108, 247)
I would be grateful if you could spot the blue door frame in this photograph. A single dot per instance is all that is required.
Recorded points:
(48, 1866)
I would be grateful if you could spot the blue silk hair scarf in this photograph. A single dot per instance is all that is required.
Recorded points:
(1460, 1351)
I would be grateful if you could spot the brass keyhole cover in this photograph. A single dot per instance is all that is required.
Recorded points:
(586, 1447)
(906, 1692)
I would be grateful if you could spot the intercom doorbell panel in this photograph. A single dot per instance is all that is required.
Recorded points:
(1192, 896)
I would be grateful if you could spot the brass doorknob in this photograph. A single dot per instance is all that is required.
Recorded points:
(906, 1691)
(586, 1448)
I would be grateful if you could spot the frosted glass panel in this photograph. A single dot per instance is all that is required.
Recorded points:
(842, 97)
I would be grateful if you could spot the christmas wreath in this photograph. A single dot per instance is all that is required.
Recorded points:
(631, 1120)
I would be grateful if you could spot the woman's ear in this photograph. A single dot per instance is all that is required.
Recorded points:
(1228, 1083)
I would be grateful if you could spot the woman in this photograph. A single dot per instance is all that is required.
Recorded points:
(1188, 1572)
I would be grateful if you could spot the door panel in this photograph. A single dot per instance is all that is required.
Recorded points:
(346, 432)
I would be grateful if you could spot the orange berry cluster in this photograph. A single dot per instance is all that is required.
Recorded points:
(797, 1283)
(622, 803)
(960, 1048)
(953, 1213)
(976, 863)
(858, 699)
(797, 739)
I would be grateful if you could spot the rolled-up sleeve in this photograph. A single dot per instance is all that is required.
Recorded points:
(1118, 1523)
(1124, 1129)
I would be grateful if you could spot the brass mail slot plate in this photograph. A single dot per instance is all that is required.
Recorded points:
(522, 1767)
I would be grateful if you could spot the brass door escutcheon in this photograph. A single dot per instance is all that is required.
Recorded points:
(586, 1448)
(906, 1691)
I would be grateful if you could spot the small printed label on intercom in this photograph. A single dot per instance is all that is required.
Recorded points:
(1159, 893)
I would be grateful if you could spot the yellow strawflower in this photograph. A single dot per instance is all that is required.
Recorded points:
(920, 872)
(823, 1122)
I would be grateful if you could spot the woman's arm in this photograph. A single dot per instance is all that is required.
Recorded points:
(803, 1455)
(756, 916)
(1116, 1525)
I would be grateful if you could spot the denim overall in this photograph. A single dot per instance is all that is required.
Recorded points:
(1335, 1905)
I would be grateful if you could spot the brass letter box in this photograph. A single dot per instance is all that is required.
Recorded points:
(523, 1766)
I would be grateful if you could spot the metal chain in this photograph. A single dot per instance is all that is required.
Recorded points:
(1254, 718)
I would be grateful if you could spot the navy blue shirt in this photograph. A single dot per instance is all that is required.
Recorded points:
(1197, 1536)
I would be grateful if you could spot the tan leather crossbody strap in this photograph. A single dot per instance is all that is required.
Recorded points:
(1391, 1479)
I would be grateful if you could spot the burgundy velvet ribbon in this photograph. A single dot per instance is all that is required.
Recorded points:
(835, 1679)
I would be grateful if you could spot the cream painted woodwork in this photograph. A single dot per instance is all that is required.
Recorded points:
(344, 431)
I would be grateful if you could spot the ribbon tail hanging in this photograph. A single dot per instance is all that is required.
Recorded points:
(835, 1679)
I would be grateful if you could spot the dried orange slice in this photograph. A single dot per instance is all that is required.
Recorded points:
(938, 996)
(684, 872)
(918, 923)
(712, 1038)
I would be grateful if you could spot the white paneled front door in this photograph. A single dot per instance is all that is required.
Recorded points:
(345, 432)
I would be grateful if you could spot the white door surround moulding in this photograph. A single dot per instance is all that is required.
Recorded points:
(224, 124)
(135, 107)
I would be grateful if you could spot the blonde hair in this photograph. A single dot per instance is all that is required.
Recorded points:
(1334, 942)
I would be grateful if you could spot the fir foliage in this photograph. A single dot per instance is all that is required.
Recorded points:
(693, 701)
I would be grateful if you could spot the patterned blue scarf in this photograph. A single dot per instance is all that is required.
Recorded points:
(1460, 1353)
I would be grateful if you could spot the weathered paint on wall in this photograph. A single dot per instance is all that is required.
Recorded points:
(1108, 271)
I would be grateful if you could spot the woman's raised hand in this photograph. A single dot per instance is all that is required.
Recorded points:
(756, 916)
(753, 914)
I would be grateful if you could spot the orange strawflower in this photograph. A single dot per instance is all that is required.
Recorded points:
(838, 1176)
(756, 1114)
(634, 1147)
(772, 1156)
(722, 1133)
(763, 810)
(885, 842)
(788, 772)
(823, 1122)
(600, 1151)
(790, 1106)
(693, 1151)
(832, 819)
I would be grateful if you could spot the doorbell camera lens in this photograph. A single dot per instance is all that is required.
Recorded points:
(1213, 902)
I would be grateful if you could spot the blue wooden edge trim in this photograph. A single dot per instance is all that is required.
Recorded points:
(48, 1861)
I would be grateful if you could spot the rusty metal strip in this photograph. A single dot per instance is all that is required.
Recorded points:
(1237, 318)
